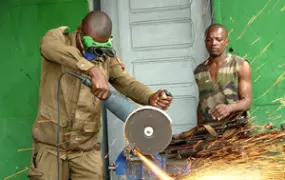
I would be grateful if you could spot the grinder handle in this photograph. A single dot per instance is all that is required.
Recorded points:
(87, 82)
(167, 93)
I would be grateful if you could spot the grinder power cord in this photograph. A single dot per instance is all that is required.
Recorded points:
(147, 128)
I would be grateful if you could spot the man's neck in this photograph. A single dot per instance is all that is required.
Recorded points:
(218, 59)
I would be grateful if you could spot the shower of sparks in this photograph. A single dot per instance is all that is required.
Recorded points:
(113, 142)
(255, 41)
(261, 53)
(281, 101)
(257, 78)
(25, 149)
(259, 67)
(155, 169)
(252, 20)
(258, 157)
(230, 31)
(255, 110)
(281, 65)
(17, 173)
(46, 121)
(63, 155)
(275, 118)
(278, 80)
(273, 6)
(69, 133)
(107, 155)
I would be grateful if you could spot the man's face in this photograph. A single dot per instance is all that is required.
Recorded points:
(216, 41)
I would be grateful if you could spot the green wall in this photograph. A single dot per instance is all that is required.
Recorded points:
(23, 23)
(257, 31)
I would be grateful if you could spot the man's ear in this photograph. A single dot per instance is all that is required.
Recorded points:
(227, 42)
(78, 41)
(79, 28)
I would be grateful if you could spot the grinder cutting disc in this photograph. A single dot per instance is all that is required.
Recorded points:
(148, 129)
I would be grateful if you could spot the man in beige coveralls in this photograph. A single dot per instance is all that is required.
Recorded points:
(80, 108)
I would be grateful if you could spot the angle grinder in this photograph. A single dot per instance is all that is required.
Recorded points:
(148, 129)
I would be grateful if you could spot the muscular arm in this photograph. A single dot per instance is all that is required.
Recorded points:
(222, 111)
(128, 85)
(245, 89)
(54, 49)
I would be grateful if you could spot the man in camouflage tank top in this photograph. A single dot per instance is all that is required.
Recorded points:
(224, 80)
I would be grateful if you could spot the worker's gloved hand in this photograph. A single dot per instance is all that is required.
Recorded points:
(221, 111)
(160, 100)
(100, 86)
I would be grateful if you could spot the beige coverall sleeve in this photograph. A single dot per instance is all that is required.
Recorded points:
(54, 48)
(128, 85)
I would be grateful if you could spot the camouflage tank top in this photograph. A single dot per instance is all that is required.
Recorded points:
(223, 91)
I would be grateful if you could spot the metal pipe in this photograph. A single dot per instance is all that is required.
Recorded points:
(104, 144)
(121, 107)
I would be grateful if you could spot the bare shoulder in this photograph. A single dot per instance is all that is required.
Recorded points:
(242, 63)
(201, 67)
(245, 69)
(245, 65)
(239, 59)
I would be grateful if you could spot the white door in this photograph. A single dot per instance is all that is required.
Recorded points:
(160, 43)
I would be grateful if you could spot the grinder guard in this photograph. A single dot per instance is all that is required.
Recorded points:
(148, 129)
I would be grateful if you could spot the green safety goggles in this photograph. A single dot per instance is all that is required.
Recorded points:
(88, 42)
(97, 48)
(101, 51)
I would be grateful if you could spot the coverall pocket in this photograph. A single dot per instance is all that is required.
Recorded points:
(48, 113)
(34, 174)
(44, 165)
